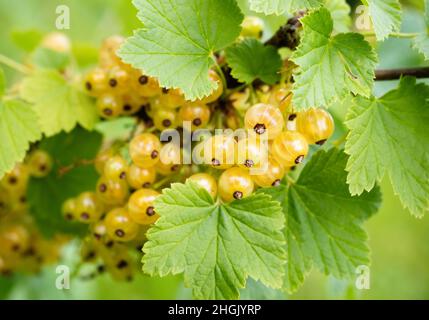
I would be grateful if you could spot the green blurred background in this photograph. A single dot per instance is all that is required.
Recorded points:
(399, 242)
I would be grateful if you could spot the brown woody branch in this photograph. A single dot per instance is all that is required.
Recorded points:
(394, 74)
(287, 36)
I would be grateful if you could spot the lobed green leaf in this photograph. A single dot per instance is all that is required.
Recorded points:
(58, 105)
(388, 136)
(330, 66)
(18, 128)
(323, 221)
(250, 60)
(178, 41)
(216, 246)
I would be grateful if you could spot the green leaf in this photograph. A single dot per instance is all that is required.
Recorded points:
(421, 44)
(279, 7)
(58, 104)
(330, 66)
(6, 286)
(385, 16)
(251, 60)
(421, 41)
(216, 246)
(18, 128)
(179, 40)
(27, 40)
(323, 221)
(255, 290)
(340, 12)
(2, 83)
(50, 59)
(46, 195)
(67, 149)
(116, 129)
(389, 135)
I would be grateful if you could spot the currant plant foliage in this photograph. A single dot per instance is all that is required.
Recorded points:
(178, 41)
(251, 60)
(18, 127)
(386, 136)
(58, 105)
(216, 245)
(331, 66)
(314, 218)
(324, 223)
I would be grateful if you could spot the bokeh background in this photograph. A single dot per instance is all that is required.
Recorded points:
(399, 242)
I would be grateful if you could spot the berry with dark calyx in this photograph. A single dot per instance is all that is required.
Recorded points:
(69, 210)
(120, 226)
(171, 98)
(88, 207)
(144, 150)
(116, 168)
(132, 104)
(141, 177)
(118, 80)
(234, 184)
(109, 106)
(169, 159)
(39, 163)
(112, 192)
(252, 27)
(197, 114)
(14, 239)
(316, 125)
(264, 119)
(16, 180)
(99, 230)
(271, 176)
(95, 82)
(141, 206)
(145, 86)
(164, 119)
(220, 151)
(251, 152)
(289, 148)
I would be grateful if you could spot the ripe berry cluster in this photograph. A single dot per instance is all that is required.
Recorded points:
(22, 247)
(122, 207)
(122, 90)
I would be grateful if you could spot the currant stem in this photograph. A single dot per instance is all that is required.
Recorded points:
(162, 182)
(290, 180)
(236, 89)
(14, 65)
(220, 72)
(399, 35)
(83, 162)
(337, 143)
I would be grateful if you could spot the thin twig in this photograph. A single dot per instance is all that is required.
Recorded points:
(82, 162)
(394, 74)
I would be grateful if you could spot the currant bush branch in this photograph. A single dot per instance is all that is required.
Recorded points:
(395, 74)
